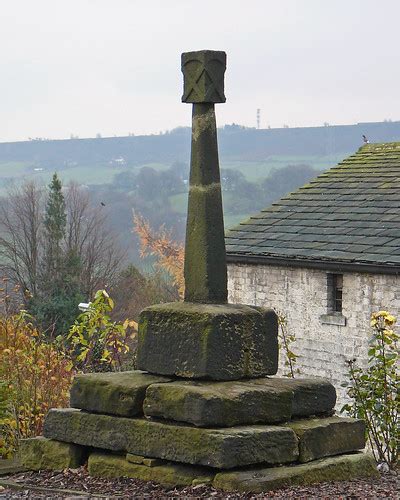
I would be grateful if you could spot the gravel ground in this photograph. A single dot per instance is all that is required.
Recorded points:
(387, 486)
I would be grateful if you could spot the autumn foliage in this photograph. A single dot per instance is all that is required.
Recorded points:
(36, 370)
(35, 375)
(169, 254)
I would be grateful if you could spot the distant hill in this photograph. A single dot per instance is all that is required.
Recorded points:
(235, 142)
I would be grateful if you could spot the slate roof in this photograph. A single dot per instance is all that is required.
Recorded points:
(348, 215)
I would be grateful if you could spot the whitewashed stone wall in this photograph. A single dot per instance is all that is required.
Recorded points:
(301, 294)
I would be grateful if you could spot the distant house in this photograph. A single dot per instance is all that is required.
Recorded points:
(118, 162)
(327, 256)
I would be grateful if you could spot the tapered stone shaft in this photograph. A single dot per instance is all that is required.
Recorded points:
(205, 259)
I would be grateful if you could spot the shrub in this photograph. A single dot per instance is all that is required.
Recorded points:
(375, 391)
(285, 339)
(7, 423)
(98, 343)
(35, 375)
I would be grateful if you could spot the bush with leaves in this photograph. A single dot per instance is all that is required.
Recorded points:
(8, 425)
(98, 343)
(35, 375)
(375, 390)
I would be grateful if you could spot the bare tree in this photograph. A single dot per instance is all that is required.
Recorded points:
(21, 234)
(88, 236)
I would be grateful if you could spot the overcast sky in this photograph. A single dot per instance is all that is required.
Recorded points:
(113, 66)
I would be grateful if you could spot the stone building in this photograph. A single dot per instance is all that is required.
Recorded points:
(327, 256)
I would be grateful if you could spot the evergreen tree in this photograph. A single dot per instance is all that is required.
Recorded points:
(55, 306)
(55, 222)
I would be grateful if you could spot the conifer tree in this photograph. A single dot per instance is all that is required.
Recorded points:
(55, 222)
(56, 303)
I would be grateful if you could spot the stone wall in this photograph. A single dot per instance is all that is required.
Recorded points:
(301, 294)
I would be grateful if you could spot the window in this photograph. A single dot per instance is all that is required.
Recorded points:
(334, 315)
(335, 293)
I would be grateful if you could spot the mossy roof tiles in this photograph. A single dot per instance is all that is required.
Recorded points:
(348, 214)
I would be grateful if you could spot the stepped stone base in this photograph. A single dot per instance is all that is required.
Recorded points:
(167, 474)
(120, 393)
(211, 341)
(244, 435)
(341, 468)
(40, 453)
(220, 448)
(204, 404)
(225, 404)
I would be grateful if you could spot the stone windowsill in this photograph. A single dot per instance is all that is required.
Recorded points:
(333, 319)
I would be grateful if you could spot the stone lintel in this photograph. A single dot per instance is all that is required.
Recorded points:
(216, 448)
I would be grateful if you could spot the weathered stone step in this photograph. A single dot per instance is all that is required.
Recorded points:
(167, 474)
(40, 453)
(120, 393)
(311, 396)
(219, 448)
(209, 341)
(324, 437)
(225, 404)
(259, 480)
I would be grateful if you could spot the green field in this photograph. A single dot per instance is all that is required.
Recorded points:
(257, 170)
(104, 174)
(99, 174)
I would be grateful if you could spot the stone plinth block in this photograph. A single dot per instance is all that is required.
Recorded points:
(112, 393)
(219, 448)
(323, 437)
(224, 404)
(260, 400)
(203, 76)
(167, 474)
(341, 468)
(212, 341)
(40, 453)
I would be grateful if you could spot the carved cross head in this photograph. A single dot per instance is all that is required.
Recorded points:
(203, 76)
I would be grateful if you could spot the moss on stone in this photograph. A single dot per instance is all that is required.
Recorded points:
(219, 448)
(214, 341)
(221, 404)
(40, 453)
(138, 459)
(119, 393)
(323, 437)
(311, 396)
(260, 480)
(167, 474)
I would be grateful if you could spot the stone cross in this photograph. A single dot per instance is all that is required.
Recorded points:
(205, 259)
